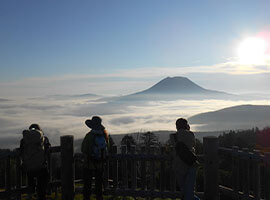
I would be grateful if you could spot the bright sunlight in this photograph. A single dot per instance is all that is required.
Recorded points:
(252, 51)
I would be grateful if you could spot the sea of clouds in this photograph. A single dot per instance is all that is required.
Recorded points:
(33, 100)
(65, 115)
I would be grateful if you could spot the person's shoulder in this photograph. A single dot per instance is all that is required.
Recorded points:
(189, 132)
(46, 140)
(185, 133)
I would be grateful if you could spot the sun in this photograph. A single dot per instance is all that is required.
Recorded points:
(252, 51)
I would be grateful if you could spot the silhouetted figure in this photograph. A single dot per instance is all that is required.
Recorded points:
(34, 148)
(185, 160)
(94, 148)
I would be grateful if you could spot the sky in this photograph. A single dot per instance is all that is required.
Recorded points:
(51, 39)
(118, 47)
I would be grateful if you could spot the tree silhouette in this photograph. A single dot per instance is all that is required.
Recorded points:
(128, 140)
(148, 140)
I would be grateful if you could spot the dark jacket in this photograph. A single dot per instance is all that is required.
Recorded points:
(87, 149)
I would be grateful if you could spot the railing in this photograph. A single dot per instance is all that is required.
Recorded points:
(139, 174)
(250, 174)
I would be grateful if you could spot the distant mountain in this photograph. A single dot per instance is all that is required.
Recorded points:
(175, 85)
(237, 117)
(3, 100)
(172, 88)
(60, 96)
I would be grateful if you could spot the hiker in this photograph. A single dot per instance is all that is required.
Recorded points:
(94, 148)
(185, 160)
(34, 148)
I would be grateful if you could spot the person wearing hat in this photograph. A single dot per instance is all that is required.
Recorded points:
(93, 146)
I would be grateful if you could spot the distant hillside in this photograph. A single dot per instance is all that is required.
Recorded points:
(237, 117)
(75, 96)
(2, 100)
(173, 88)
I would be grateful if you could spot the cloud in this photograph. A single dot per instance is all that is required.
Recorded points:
(122, 120)
(66, 116)
(5, 122)
(112, 83)
(89, 109)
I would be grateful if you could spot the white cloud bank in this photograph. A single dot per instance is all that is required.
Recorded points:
(218, 76)
(65, 117)
(62, 115)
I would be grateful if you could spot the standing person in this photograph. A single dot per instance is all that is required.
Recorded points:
(185, 158)
(94, 148)
(34, 148)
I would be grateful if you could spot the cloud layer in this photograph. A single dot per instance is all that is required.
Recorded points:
(50, 102)
(66, 116)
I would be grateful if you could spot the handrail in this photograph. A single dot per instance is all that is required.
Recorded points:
(128, 184)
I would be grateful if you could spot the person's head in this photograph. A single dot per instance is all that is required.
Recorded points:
(182, 123)
(34, 126)
(95, 123)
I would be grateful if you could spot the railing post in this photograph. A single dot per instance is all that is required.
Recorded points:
(267, 176)
(162, 171)
(19, 176)
(172, 173)
(133, 169)
(50, 171)
(235, 172)
(143, 170)
(246, 173)
(210, 147)
(152, 167)
(256, 175)
(67, 167)
(115, 168)
(8, 177)
(124, 173)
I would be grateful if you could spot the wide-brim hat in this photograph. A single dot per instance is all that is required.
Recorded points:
(95, 123)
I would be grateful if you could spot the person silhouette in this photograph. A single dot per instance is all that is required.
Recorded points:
(94, 149)
(34, 149)
(185, 159)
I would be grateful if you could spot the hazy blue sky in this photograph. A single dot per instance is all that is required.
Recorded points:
(58, 38)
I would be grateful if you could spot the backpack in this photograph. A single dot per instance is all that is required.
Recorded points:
(183, 152)
(33, 150)
(99, 148)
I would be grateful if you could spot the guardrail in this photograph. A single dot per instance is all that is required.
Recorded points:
(138, 174)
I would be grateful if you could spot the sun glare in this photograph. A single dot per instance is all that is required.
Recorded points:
(252, 51)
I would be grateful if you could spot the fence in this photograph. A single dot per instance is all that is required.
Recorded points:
(151, 175)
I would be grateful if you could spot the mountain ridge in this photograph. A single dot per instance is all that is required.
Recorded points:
(235, 117)
(173, 88)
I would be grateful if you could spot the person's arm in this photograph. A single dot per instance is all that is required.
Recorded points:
(106, 137)
(47, 144)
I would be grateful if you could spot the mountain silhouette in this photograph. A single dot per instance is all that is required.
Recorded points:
(177, 85)
(236, 117)
(174, 88)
